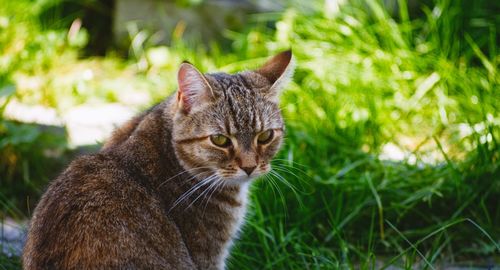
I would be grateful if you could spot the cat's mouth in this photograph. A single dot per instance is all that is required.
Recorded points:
(242, 176)
(238, 180)
(239, 177)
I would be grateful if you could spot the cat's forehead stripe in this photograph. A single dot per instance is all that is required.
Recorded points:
(242, 108)
(240, 101)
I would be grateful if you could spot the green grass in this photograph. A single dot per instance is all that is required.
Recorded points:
(365, 83)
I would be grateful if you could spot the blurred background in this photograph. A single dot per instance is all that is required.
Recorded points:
(391, 157)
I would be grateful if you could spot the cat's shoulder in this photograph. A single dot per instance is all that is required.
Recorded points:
(91, 176)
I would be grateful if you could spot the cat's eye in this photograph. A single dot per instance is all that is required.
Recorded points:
(265, 136)
(220, 140)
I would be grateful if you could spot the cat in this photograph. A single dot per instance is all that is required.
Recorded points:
(169, 189)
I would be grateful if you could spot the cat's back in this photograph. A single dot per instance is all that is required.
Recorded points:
(99, 214)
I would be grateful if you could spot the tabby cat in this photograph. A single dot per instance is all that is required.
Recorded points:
(169, 189)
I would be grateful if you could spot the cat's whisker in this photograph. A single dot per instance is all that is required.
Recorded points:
(220, 183)
(287, 183)
(292, 169)
(299, 175)
(211, 187)
(190, 191)
(192, 177)
(270, 181)
(284, 170)
(282, 179)
(287, 170)
(288, 161)
(274, 185)
(178, 174)
(183, 172)
(213, 180)
(206, 182)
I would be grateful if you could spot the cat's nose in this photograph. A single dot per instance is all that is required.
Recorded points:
(248, 170)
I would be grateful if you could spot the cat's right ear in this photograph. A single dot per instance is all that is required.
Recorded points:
(278, 71)
(194, 89)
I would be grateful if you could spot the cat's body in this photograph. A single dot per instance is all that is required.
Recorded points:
(159, 195)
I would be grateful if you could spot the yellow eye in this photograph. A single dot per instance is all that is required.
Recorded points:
(265, 136)
(220, 140)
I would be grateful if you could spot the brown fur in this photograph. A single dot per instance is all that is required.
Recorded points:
(133, 204)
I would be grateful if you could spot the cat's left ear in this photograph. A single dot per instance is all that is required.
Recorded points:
(278, 71)
(194, 89)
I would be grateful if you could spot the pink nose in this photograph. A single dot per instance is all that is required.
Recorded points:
(248, 170)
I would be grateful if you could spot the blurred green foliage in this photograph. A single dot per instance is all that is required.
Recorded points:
(25, 166)
(368, 83)
(10, 263)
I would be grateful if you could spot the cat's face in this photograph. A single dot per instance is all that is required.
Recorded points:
(230, 126)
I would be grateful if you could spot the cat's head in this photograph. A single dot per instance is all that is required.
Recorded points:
(227, 125)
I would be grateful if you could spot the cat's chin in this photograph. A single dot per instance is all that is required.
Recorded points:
(239, 180)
